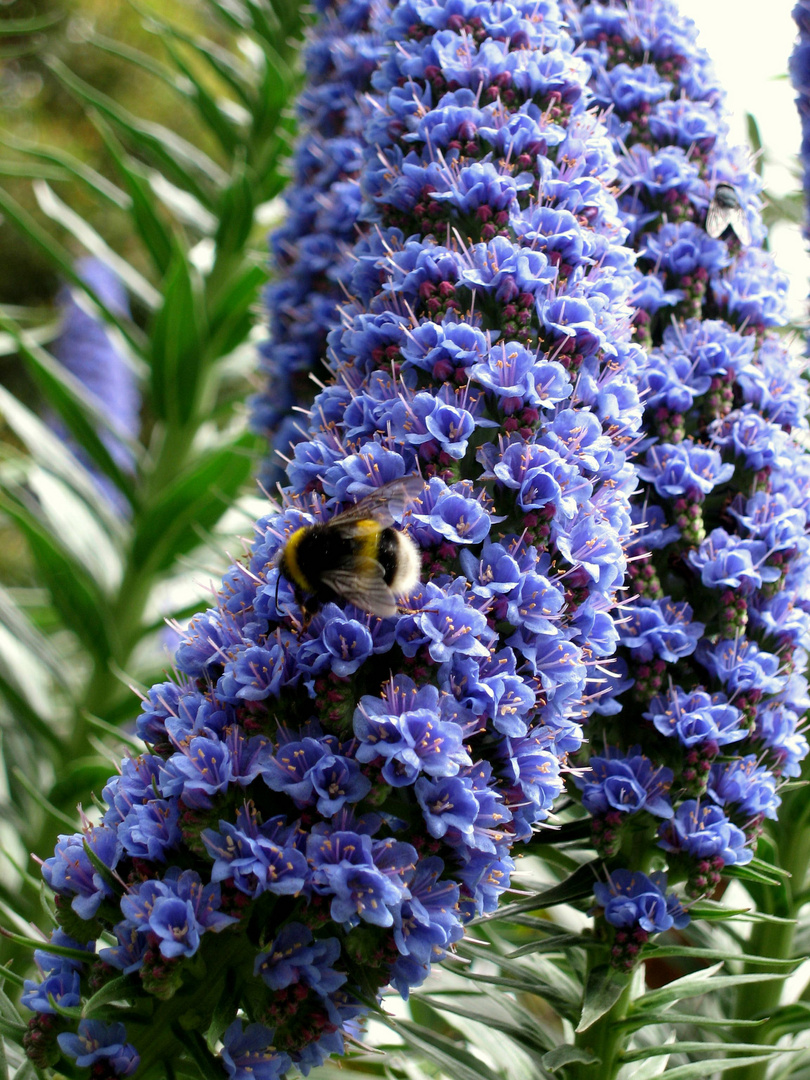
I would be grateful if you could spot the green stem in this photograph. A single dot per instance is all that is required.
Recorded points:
(604, 1039)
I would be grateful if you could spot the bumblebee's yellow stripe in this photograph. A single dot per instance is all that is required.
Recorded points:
(291, 559)
(368, 537)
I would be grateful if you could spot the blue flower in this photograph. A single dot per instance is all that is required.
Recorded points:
(722, 507)
(96, 1043)
(344, 868)
(704, 832)
(634, 899)
(256, 857)
(69, 871)
(295, 957)
(459, 328)
(249, 1054)
(684, 470)
(696, 718)
(177, 910)
(63, 987)
(410, 738)
(728, 562)
(626, 783)
(740, 665)
(661, 628)
(747, 788)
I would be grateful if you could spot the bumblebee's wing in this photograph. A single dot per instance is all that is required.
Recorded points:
(384, 505)
(721, 214)
(360, 581)
(739, 223)
(718, 219)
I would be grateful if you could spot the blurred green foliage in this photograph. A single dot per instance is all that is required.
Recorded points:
(153, 137)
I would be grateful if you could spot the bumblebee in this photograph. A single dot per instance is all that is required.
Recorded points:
(356, 556)
(726, 211)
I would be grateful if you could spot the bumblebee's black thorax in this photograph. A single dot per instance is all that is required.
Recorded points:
(316, 550)
(387, 554)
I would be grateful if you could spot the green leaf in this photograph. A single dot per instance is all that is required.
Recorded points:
(70, 399)
(207, 107)
(684, 1047)
(62, 261)
(763, 874)
(85, 775)
(698, 1070)
(76, 530)
(31, 170)
(558, 943)
(529, 1036)
(235, 211)
(79, 227)
(564, 995)
(34, 24)
(172, 524)
(28, 639)
(156, 235)
(53, 454)
(671, 1017)
(603, 989)
(97, 183)
(578, 886)
(177, 336)
(233, 314)
(141, 60)
(224, 64)
(26, 713)
(208, 1067)
(561, 1056)
(75, 594)
(11, 1030)
(190, 167)
(755, 142)
(768, 867)
(713, 911)
(787, 1019)
(698, 982)
(451, 1057)
(66, 820)
(120, 989)
(651, 951)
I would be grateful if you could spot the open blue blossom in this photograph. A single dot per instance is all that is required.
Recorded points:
(633, 900)
(249, 1053)
(625, 783)
(704, 832)
(97, 1042)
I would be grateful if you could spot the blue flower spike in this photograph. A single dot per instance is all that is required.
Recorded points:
(699, 723)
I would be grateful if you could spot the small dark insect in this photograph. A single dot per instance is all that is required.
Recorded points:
(726, 212)
(356, 556)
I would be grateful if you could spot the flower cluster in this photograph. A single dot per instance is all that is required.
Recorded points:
(800, 77)
(700, 716)
(85, 349)
(326, 801)
(312, 248)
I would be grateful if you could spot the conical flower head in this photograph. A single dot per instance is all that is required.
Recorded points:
(709, 687)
